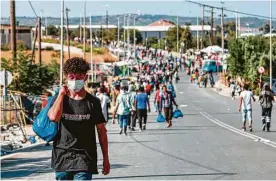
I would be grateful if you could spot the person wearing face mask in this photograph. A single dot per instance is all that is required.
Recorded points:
(78, 113)
(123, 108)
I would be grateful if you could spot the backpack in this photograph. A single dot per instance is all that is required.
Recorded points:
(266, 99)
(126, 103)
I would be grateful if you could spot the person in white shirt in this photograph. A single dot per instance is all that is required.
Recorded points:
(232, 89)
(245, 106)
(104, 102)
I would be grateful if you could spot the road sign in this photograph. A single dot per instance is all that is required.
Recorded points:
(261, 70)
(5, 78)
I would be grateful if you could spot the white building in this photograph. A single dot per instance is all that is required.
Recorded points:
(159, 28)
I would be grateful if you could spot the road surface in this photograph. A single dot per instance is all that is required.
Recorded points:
(206, 144)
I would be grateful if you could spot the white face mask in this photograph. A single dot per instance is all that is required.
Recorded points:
(75, 85)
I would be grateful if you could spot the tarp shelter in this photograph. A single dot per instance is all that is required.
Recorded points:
(212, 49)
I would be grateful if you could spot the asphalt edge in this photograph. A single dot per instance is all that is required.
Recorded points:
(12, 153)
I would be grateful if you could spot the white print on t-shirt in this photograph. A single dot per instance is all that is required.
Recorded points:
(75, 117)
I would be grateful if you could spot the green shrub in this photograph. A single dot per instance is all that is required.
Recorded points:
(5, 47)
(99, 51)
(21, 46)
(49, 48)
(49, 40)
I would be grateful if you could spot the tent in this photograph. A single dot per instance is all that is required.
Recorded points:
(212, 49)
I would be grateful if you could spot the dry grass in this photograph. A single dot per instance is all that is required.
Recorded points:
(47, 56)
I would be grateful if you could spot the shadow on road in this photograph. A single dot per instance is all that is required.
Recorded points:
(23, 167)
(115, 166)
(166, 175)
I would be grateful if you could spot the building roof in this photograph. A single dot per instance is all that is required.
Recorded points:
(166, 28)
(268, 34)
(162, 22)
(88, 26)
(7, 26)
(251, 30)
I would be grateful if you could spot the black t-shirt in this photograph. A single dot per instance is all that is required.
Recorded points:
(75, 147)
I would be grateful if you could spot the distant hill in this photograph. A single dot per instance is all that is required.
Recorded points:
(142, 20)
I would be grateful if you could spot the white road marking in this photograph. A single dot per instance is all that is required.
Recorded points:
(235, 130)
(182, 105)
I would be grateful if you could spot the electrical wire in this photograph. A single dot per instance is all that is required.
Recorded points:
(35, 12)
(32, 8)
(229, 10)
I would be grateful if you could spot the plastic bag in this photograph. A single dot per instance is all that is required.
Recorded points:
(160, 118)
(177, 114)
(43, 126)
(154, 107)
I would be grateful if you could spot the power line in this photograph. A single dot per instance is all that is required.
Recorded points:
(35, 12)
(33, 8)
(229, 10)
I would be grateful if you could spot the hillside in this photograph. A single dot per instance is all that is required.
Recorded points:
(143, 20)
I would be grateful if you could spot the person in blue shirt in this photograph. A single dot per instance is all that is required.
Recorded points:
(170, 88)
(141, 103)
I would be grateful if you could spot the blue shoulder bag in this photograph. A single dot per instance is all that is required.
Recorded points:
(43, 126)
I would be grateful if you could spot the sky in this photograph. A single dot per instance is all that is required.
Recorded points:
(173, 7)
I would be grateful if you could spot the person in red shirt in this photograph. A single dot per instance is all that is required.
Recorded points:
(148, 88)
(157, 98)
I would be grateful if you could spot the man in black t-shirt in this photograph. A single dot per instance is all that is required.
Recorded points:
(78, 113)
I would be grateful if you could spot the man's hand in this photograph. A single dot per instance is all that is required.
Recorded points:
(149, 110)
(106, 167)
(239, 109)
(64, 90)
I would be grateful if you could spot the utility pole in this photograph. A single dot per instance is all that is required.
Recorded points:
(84, 32)
(33, 47)
(102, 31)
(128, 41)
(39, 41)
(13, 29)
(177, 36)
(212, 26)
(118, 38)
(270, 46)
(67, 31)
(236, 25)
(41, 18)
(106, 20)
(61, 42)
(124, 29)
(202, 29)
(91, 50)
(46, 26)
(80, 28)
(239, 29)
(197, 36)
(222, 31)
(134, 36)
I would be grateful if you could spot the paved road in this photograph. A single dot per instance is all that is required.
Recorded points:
(206, 144)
